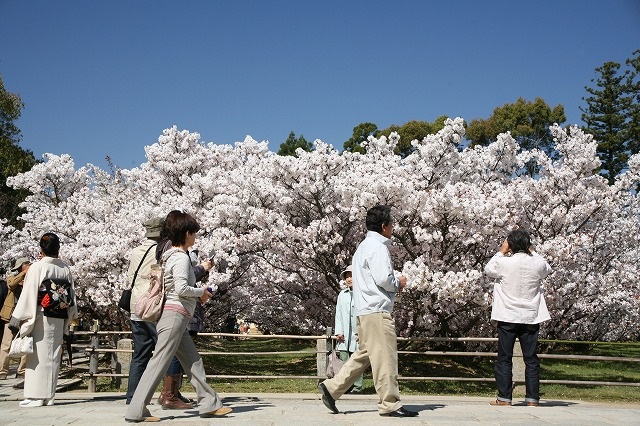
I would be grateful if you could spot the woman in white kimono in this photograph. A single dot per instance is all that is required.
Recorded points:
(43, 365)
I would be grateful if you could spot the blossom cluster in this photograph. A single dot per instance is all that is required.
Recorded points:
(285, 227)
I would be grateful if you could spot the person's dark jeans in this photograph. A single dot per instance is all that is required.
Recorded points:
(174, 368)
(144, 337)
(528, 336)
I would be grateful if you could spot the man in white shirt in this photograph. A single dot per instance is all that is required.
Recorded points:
(374, 290)
(518, 308)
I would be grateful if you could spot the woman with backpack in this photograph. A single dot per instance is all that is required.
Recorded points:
(173, 337)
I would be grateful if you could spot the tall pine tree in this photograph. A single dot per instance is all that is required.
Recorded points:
(607, 117)
(292, 143)
(633, 84)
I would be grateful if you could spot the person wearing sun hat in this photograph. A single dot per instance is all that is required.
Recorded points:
(345, 324)
(14, 287)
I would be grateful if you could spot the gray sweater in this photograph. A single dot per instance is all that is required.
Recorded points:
(180, 280)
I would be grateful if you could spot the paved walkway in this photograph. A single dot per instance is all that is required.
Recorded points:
(81, 408)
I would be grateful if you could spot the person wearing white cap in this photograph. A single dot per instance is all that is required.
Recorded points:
(345, 324)
(14, 285)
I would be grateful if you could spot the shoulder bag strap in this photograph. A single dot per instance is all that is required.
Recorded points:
(140, 265)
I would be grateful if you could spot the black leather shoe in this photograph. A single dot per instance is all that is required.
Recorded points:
(400, 412)
(327, 399)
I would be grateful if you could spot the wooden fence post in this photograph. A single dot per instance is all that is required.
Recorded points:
(93, 357)
(323, 347)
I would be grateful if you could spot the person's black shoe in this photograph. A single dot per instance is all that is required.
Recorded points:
(400, 412)
(327, 399)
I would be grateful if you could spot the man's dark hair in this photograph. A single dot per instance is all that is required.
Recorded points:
(50, 244)
(176, 226)
(519, 241)
(378, 216)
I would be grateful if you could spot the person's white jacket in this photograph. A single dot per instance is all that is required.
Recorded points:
(517, 297)
(375, 283)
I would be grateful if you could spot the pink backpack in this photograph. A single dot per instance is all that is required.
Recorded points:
(149, 305)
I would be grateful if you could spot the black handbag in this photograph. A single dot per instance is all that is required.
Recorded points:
(125, 298)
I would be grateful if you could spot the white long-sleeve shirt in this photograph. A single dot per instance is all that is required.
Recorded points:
(374, 282)
(517, 297)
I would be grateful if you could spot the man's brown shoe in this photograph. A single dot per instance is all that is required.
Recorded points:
(533, 404)
(500, 402)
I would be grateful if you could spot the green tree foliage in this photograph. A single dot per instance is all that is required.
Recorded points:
(13, 159)
(611, 115)
(292, 143)
(527, 121)
(360, 134)
(413, 130)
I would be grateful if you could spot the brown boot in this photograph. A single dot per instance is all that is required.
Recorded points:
(171, 400)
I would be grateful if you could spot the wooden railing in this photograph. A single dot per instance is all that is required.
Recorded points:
(324, 343)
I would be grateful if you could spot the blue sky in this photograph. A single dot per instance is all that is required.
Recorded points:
(105, 78)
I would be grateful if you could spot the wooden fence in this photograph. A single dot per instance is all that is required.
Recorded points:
(324, 344)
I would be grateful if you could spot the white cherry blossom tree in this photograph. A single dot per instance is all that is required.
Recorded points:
(284, 227)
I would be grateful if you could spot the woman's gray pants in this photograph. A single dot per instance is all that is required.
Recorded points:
(173, 339)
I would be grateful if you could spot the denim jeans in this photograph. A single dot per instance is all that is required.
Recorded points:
(144, 342)
(527, 334)
(174, 367)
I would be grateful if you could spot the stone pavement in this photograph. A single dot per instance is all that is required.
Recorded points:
(81, 408)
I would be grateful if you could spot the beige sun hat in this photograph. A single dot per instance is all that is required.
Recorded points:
(343, 273)
(19, 262)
